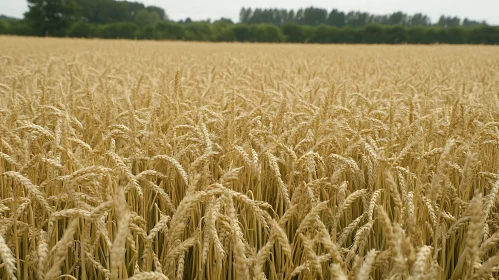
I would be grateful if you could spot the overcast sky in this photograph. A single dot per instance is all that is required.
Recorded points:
(202, 9)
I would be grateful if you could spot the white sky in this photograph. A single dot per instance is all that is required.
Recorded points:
(203, 9)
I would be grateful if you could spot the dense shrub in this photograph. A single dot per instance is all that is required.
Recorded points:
(226, 31)
(118, 30)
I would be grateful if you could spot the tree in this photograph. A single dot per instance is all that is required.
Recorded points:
(416, 34)
(198, 31)
(20, 27)
(325, 34)
(147, 33)
(118, 30)
(350, 35)
(484, 35)
(432, 35)
(265, 33)
(357, 19)
(51, 17)
(8, 19)
(101, 11)
(395, 34)
(456, 35)
(108, 11)
(373, 34)
(314, 16)
(419, 19)
(290, 16)
(279, 16)
(299, 17)
(447, 22)
(245, 15)
(159, 11)
(267, 16)
(145, 17)
(256, 16)
(80, 30)
(4, 27)
(397, 18)
(222, 31)
(468, 23)
(294, 33)
(225, 35)
(336, 18)
(241, 32)
(224, 21)
(169, 31)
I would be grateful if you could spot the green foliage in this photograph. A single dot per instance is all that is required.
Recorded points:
(147, 33)
(159, 11)
(222, 31)
(373, 34)
(241, 32)
(81, 29)
(265, 33)
(105, 11)
(350, 35)
(419, 20)
(145, 17)
(432, 35)
(51, 17)
(313, 16)
(56, 17)
(169, 31)
(132, 20)
(198, 31)
(118, 30)
(484, 35)
(325, 34)
(449, 22)
(21, 28)
(4, 27)
(225, 35)
(456, 35)
(109, 11)
(416, 35)
(294, 33)
(336, 18)
(395, 34)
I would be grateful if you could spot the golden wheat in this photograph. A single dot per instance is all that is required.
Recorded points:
(163, 160)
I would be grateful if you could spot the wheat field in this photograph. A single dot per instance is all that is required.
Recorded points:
(174, 160)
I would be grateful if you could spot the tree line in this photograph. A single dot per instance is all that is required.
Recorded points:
(316, 16)
(131, 20)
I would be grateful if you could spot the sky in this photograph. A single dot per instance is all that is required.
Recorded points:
(204, 9)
